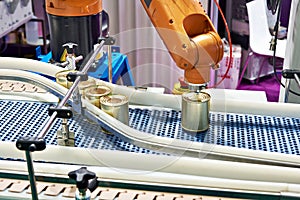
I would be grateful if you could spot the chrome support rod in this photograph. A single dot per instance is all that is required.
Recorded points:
(31, 176)
(297, 79)
(287, 90)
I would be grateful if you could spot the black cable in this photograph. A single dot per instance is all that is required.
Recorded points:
(276, 28)
(272, 5)
(4, 44)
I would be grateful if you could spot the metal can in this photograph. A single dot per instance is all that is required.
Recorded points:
(94, 93)
(61, 78)
(117, 106)
(195, 111)
(83, 85)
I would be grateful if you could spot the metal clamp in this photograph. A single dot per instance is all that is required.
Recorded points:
(65, 137)
(71, 76)
(63, 112)
(31, 144)
(289, 74)
(108, 40)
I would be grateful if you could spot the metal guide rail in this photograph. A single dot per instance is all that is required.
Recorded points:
(265, 133)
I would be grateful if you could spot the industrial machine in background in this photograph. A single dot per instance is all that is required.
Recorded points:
(14, 13)
(73, 21)
(237, 19)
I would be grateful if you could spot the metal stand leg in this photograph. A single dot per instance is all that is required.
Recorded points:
(109, 41)
(287, 90)
(109, 56)
(32, 181)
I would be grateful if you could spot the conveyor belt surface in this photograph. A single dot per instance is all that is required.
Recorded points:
(47, 190)
(266, 133)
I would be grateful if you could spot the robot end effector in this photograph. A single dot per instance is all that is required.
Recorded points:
(189, 36)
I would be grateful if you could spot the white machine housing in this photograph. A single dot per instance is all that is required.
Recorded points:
(292, 58)
(14, 13)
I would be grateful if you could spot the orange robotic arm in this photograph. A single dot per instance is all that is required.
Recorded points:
(189, 36)
(74, 8)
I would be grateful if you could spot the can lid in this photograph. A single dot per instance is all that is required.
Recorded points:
(87, 83)
(97, 91)
(114, 100)
(196, 97)
(63, 73)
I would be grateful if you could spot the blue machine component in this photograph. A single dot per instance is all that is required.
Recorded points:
(266, 133)
(120, 69)
(43, 58)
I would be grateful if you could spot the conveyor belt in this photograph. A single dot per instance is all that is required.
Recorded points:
(266, 133)
(48, 190)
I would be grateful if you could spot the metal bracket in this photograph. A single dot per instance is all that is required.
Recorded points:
(65, 137)
(290, 73)
(31, 144)
(71, 76)
(77, 102)
(61, 112)
(108, 40)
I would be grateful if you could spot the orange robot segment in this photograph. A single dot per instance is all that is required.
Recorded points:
(188, 34)
(73, 7)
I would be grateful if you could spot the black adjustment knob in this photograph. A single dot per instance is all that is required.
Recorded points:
(82, 177)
